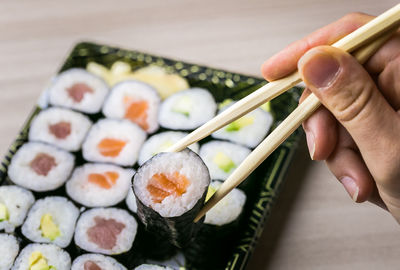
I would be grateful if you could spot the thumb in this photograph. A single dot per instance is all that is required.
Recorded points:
(346, 89)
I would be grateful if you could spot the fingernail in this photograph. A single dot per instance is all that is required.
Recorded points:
(319, 69)
(310, 143)
(350, 186)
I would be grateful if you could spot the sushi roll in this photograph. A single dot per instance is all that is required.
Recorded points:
(9, 248)
(79, 90)
(42, 256)
(135, 101)
(187, 109)
(61, 127)
(161, 142)
(110, 231)
(96, 262)
(99, 185)
(130, 201)
(249, 130)
(40, 167)
(170, 189)
(51, 220)
(14, 205)
(114, 141)
(152, 267)
(222, 158)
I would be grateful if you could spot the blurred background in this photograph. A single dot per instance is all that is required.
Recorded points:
(314, 224)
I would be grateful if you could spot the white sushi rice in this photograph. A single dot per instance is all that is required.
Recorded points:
(104, 262)
(79, 126)
(90, 103)
(152, 267)
(21, 173)
(89, 194)
(161, 142)
(186, 163)
(125, 238)
(252, 133)
(187, 109)
(64, 214)
(17, 202)
(123, 130)
(9, 248)
(55, 256)
(116, 105)
(131, 201)
(228, 209)
(210, 151)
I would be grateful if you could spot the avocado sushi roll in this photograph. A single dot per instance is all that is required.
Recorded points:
(51, 220)
(222, 157)
(96, 262)
(170, 189)
(42, 256)
(9, 248)
(79, 90)
(61, 127)
(152, 267)
(40, 167)
(187, 110)
(113, 141)
(15, 203)
(135, 101)
(161, 142)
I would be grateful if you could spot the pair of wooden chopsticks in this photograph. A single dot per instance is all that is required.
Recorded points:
(363, 42)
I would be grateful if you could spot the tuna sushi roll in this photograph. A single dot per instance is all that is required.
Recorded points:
(152, 267)
(79, 90)
(61, 127)
(99, 185)
(135, 101)
(40, 167)
(249, 130)
(51, 220)
(161, 142)
(109, 231)
(187, 109)
(222, 158)
(9, 248)
(42, 256)
(14, 205)
(131, 201)
(96, 262)
(114, 141)
(170, 189)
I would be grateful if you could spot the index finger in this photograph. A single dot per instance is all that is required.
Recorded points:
(285, 62)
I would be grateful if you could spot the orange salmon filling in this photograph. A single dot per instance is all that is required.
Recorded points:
(161, 186)
(110, 147)
(106, 180)
(136, 111)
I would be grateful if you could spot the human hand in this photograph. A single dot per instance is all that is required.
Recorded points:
(357, 131)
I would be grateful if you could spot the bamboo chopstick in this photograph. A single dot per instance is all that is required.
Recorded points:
(349, 43)
(383, 26)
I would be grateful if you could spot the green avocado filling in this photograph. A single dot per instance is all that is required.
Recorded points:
(163, 147)
(38, 262)
(49, 229)
(4, 215)
(266, 106)
(210, 192)
(183, 106)
(224, 162)
(240, 123)
(225, 103)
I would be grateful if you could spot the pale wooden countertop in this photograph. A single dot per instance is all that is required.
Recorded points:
(314, 224)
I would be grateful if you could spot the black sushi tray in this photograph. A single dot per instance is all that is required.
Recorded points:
(262, 186)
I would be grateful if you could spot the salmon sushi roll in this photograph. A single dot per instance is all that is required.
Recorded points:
(135, 101)
(15, 203)
(99, 185)
(161, 142)
(114, 141)
(51, 220)
(61, 127)
(96, 262)
(187, 109)
(79, 90)
(9, 248)
(40, 167)
(170, 189)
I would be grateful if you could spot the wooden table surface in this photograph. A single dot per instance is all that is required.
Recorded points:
(314, 225)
